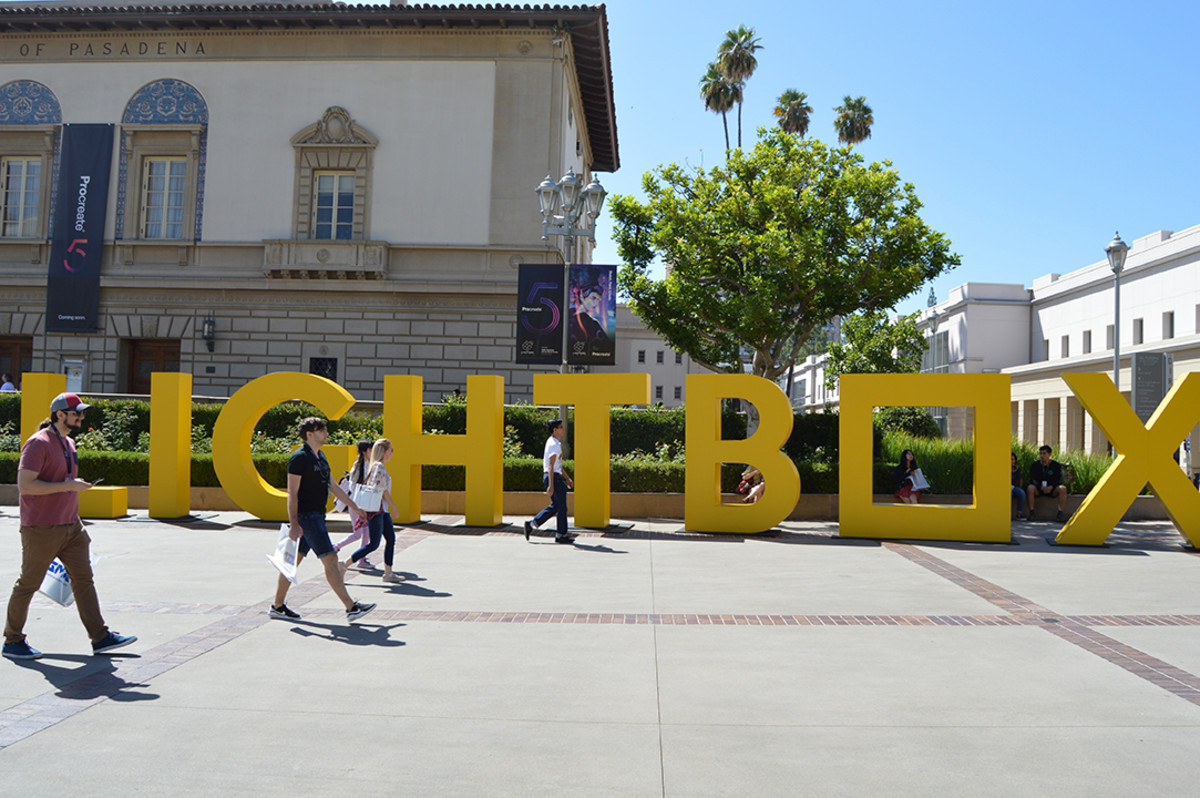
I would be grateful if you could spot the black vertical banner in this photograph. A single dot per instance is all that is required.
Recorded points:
(73, 280)
(539, 313)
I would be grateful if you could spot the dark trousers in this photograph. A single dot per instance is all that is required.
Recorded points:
(558, 504)
(379, 526)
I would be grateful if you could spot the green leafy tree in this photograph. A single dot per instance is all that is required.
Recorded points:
(719, 95)
(766, 249)
(792, 111)
(854, 120)
(735, 59)
(870, 345)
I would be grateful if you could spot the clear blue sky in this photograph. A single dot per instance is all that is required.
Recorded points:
(1031, 130)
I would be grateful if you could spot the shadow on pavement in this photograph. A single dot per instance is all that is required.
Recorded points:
(351, 634)
(85, 683)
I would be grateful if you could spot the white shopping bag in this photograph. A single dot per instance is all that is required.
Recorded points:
(286, 552)
(57, 585)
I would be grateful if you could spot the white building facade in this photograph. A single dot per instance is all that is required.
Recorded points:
(1064, 323)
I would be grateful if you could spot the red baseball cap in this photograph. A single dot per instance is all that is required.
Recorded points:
(68, 401)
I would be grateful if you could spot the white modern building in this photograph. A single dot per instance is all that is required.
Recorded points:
(1064, 323)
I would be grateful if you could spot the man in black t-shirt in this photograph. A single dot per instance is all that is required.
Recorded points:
(309, 486)
(1046, 480)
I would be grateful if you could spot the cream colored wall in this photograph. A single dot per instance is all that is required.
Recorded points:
(435, 134)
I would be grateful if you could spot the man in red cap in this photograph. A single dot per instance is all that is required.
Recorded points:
(47, 479)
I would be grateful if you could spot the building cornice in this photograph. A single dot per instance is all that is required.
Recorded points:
(586, 25)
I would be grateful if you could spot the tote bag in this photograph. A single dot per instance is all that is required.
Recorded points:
(368, 499)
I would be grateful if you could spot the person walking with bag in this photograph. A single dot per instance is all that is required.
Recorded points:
(357, 475)
(49, 486)
(309, 486)
(379, 522)
(557, 480)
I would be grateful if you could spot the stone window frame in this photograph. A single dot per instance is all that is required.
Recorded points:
(39, 148)
(334, 143)
(30, 120)
(140, 143)
(164, 118)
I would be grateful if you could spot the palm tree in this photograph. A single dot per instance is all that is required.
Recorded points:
(719, 95)
(854, 120)
(735, 58)
(793, 110)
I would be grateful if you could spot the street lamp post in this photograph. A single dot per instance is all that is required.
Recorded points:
(563, 205)
(1116, 251)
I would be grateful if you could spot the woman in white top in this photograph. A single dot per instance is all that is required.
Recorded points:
(379, 523)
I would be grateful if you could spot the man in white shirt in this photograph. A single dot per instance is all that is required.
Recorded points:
(557, 480)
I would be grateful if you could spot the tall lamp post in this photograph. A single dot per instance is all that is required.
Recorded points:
(563, 205)
(1116, 251)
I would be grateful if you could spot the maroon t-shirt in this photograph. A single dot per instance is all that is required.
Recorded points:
(53, 458)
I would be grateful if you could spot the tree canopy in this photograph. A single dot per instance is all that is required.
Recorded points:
(719, 95)
(854, 120)
(771, 245)
(793, 110)
(872, 345)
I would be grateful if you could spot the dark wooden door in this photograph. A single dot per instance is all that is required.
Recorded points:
(147, 356)
(16, 356)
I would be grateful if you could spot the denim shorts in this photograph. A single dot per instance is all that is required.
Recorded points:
(316, 536)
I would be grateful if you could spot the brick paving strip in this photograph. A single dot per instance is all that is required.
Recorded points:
(1072, 629)
(127, 674)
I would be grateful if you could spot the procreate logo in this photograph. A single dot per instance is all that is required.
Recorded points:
(77, 250)
(80, 224)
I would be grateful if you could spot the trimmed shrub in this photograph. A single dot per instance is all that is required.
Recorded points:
(915, 421)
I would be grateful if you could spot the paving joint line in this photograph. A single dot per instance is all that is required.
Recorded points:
(1070, 629)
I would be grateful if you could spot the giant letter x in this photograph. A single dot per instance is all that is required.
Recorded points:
(1145, 455)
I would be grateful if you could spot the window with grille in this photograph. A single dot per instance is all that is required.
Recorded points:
(326, 367)
(658, 392)
(678, 358)
(333, 206)
(22, 179)
(1087, 342)
(658, 356)
(678, 392)
(163, 197)
(641, 355)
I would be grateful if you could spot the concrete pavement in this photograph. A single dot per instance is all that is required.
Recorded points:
(653, 663)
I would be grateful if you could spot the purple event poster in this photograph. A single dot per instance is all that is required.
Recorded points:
(592, 317)
(539, 313)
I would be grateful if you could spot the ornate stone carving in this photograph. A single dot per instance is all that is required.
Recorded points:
(335, 127)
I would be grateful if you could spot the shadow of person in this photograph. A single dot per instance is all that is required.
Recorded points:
(408, 589)
(597, 548)
(353, 634)
(91, 680)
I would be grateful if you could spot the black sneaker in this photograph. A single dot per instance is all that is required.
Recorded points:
(21, 650)
(358, 610)
(528, 530)
(1058, 516)
(564, 538)
(283, 613)
(111, 642)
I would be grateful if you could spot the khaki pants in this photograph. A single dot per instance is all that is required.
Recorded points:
(39, 546)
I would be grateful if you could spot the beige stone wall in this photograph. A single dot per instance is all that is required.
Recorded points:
(467, 124)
